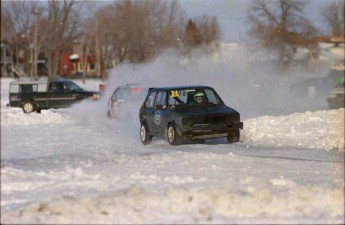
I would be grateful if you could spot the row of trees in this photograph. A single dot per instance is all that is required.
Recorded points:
(113, 32)
(48, 27)
(281, 26)
(135, 31)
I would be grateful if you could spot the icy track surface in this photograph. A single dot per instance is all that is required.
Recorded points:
(77, 166)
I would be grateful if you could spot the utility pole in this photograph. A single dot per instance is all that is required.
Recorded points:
(36, 13)
(98, 52)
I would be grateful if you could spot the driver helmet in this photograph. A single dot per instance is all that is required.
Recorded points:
(199, 97)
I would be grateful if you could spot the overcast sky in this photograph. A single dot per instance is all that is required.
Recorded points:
(232, 14)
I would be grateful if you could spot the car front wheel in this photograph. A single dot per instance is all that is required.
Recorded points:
(234, 136)
(172, 135)
(29, 107)
(144, 135)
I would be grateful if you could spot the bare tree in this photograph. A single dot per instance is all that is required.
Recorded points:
(136, 30)
(280, 25)
(192, 36)
(62, 27)
(86, 40)
(203, 33)
(333, 14)
(209, 29)
(17, 22)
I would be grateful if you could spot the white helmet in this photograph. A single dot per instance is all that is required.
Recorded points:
(199, 97)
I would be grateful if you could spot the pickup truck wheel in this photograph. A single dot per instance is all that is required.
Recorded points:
(144, 135)
(234, 136)
(172, 135)
(29, 107)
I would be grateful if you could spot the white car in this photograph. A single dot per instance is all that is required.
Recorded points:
(124, 98)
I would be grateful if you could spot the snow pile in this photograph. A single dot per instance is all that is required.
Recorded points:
(313, 130)
(15, 117)
(206, 205)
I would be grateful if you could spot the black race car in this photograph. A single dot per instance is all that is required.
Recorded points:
(193, 113)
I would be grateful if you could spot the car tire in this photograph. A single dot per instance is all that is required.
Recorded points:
(145, 137)
(234, 136)
(29, 107)
(172, 135)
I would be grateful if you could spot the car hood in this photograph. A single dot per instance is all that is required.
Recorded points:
(215, 110)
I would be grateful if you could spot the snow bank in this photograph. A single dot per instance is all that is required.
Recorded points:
(312, 130)
(206, 205)
(14, 117)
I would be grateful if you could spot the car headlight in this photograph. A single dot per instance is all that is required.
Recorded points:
(95, 96)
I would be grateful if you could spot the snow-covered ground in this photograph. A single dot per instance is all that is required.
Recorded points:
(77, 166)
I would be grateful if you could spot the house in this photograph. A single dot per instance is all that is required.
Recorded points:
(6, 61)
(16, 59)
(72, 62)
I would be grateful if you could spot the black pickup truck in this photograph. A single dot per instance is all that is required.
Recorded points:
(37, 95)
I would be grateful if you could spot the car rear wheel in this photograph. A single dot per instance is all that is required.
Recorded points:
(234, 136)
(172, 135)
(144, 135)
(29, 107)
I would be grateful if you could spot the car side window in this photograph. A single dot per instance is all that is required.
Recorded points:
(150, 100)
(211, 96)
(52, 87)
(28, 88)
(65, 88)
(56, 87)
(161, 99)
(60, 87)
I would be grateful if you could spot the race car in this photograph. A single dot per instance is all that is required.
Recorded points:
(187, 113)
(123, 98)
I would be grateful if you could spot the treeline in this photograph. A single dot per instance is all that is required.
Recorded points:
(136, 31)
(113, 32)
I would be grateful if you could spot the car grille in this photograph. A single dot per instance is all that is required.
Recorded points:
(206, 123)
(218, 126)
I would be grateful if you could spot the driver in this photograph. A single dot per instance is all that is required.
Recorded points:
(199, 97)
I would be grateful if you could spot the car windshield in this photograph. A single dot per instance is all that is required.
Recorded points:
(129, 94)
(192, 97)
(72, 86)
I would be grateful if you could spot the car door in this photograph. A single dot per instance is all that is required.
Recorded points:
(59, 95)
(149, 111)
(160, 113)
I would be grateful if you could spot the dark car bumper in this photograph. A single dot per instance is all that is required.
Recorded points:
(205, 131)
